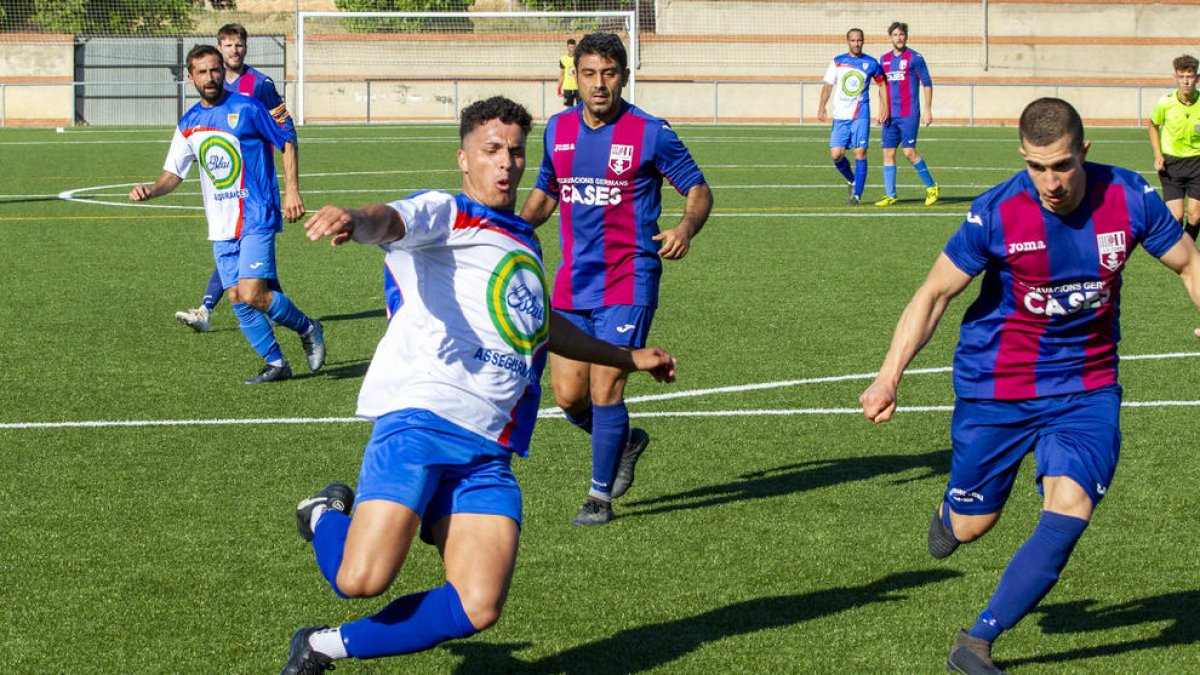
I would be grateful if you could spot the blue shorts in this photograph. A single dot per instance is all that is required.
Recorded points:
(437, 468)
(1072, 435)
(850, 133)
(622, 325)
(251, 257)
(901, 131)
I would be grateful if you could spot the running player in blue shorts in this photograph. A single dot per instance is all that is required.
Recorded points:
(453, 390)
(1035, 370)
(908, 80)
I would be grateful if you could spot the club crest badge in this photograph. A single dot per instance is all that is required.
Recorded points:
(232, 119)
(1111, 246)
(620, 158)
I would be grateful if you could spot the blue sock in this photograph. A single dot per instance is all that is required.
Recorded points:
(843, 165)
(329, 543)
(923, 172)
(583, 420)
(409, 624)
(860, 176)
(258, 332)
(285, 313)
(212, 294)
(610, 433)
(1031, 573)
(889, 179)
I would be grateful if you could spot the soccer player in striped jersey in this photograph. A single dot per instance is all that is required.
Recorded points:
(908, 82)
(1036, 365)
(233, 138)
(453, 391)
(240, 78)
(848, 79)
(603, 167)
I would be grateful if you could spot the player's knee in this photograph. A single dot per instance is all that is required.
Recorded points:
(362, 582)
(258, 298)
(970, 528)
(571, 396)
(481, 605)
(911, 155)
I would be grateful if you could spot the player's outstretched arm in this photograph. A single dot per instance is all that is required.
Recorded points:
(538, 207)
(1184, 259)
(677, 241)
(293, 203)
(917, 324)
(166, 182)
(567, 340)
(373, 224)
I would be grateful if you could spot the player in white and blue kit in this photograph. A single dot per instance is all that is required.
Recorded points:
(232, 137)
(453, 390)
(848, 79)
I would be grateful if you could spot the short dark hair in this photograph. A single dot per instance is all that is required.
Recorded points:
(604, 44)
(1048, 120)
(1185, 63)
(199, 52)
(500, 108)
(232, 29)
(898, 24)
(570, 41)
(855, 30)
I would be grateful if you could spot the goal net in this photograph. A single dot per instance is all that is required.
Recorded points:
(404, 66)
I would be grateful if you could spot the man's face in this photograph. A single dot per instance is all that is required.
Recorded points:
(492, 159)
(1186, 79)
(233, 50)
(1057, 172)
(570, 49)
(207, 73)
(899, 39)
(855, 42)
(600, 83)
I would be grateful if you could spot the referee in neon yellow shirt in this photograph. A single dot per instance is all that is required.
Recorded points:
(568, 89)
(1175, 139)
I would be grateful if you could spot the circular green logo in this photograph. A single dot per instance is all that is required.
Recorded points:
(517, 301)
(853, 83)
(221, 162)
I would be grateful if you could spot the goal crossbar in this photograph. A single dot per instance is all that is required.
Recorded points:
(629, 19)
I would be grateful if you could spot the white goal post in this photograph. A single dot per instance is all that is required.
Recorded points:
(447, 47)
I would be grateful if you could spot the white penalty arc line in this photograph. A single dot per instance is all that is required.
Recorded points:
(550, 413)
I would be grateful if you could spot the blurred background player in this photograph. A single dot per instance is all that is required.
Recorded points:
(568, 89)
(453, 391)
(1035, 370)
(1175, 140)
(847, 79)
(240, 78)
(232, 136)
(908, 82)
(603, 166)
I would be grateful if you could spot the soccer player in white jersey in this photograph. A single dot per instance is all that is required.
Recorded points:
(848, 80)
(453, 390)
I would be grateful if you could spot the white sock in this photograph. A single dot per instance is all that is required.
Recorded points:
(328, 642)
(317, 511)
(602, 496)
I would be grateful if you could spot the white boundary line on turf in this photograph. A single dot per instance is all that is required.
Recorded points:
(550, 413)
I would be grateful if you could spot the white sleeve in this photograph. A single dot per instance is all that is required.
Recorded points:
(428, 219)
(831, 73)
(179, 157)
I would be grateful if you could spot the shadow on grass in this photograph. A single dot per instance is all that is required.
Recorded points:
(650, 646)
(344, 370)
(1084, 616)
(794, 478)
(366, 314)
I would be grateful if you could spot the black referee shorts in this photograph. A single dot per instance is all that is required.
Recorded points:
(1180, 176)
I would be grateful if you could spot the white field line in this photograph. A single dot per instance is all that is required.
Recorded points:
(545, 413)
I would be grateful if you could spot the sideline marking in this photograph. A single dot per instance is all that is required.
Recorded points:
(548, 413)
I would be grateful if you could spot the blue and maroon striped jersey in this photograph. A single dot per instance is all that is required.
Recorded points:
(1047, 318)
(608, 183)
(905, 73)
(255, 84)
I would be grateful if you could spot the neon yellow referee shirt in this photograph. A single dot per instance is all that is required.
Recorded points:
(1178, 126)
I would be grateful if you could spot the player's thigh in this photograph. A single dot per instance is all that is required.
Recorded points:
(479, 552)
(988, 441)
(226, 255)
(569, 379)
(381, 533)
(889, 135)
(1174, 183)
(257, 257)
(839, 138)
(1081, 441)
(626, 326)
(860, 134)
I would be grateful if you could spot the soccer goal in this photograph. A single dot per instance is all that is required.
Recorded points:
(404, 66)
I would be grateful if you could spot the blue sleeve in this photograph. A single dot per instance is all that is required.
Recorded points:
(876, 71)
(265, 92)
(546, 180)
(265, 125)
(1162, 231)
(968, 247)
(673, 161)
(922, 72)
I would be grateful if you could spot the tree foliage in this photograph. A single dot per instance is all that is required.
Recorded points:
(400, 25)
(104, 17)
